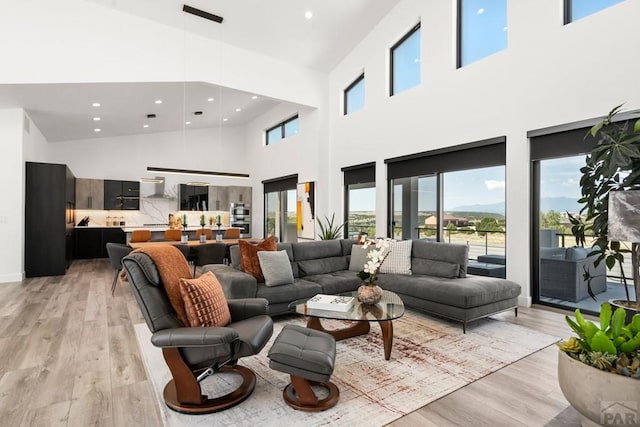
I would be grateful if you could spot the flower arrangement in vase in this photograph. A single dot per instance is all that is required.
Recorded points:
(370, 292)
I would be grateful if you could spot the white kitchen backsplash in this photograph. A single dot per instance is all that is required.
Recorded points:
(152, 211)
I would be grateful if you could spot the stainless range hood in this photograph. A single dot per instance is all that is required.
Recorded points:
(158, 189)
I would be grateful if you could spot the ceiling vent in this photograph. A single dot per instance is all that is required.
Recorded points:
(202, 14)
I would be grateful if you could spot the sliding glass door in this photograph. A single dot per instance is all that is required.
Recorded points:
(280, 218)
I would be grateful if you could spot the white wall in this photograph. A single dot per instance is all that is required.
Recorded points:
(305, 154)
(12, 212)
(550, 74)
(127, 158)
(78, 41)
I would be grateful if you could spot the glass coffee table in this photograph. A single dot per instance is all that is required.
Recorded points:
(384, 312)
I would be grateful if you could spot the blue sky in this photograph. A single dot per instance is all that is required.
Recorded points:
(484, 28)
(559, 178)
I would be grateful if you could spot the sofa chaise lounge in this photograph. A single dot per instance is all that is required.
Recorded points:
(323, 267)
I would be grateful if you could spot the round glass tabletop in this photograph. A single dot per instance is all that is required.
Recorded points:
(390, 307)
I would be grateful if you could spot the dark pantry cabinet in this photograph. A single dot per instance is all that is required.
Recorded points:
(49, 219)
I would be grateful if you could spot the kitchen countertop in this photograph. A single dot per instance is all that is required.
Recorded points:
(130, 228)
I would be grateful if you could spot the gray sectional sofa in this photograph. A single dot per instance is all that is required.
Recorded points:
(323, 267)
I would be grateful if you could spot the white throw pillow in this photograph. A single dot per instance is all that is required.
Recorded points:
(399, 259)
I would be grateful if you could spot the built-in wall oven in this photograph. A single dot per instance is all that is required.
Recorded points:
(240, 217)
(245, 228)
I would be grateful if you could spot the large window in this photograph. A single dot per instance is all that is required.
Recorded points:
(354, 96)
(405, 62)
(282, 130)
(482, 29)
(576, 9)
(474, 210)
(280, 216)
(559, 264)
(455, 195)
(360, 200)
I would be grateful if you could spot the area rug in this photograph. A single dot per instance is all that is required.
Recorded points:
(430, 359)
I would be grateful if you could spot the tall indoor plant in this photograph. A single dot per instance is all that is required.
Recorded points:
(612, 165)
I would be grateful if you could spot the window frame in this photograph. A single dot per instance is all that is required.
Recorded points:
(280, 125)
(397, 44)
(345, 94)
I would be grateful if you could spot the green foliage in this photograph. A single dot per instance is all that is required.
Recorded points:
(329, 230)
(612, 346)
(612, 165)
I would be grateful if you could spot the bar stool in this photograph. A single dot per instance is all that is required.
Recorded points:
(232, 233)
(173, 234)
(140, 236)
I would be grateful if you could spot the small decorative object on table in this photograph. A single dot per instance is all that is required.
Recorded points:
(330, 302)
(185, 237)
(218, 234)
(370, 292)
(203, 237)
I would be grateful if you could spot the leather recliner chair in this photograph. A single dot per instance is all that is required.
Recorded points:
(193, 354)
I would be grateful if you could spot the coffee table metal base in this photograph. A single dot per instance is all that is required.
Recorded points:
(358, 328)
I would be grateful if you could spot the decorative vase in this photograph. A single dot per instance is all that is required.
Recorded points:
(600, 397)
(203, 238)
(369, 294)
(184, 238)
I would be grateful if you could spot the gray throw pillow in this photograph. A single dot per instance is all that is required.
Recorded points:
(359, 257)
(275, 267)
(435, 268)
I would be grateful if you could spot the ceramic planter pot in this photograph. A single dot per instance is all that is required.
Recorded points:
(601, 398)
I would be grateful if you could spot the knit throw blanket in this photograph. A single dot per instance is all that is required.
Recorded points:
(172, 266)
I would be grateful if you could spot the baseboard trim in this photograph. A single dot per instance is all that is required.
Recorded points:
(524, 301)
(10, 278)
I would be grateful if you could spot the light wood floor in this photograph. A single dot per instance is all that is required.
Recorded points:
(69, 357)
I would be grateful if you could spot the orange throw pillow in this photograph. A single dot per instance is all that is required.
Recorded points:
(204, 301)
(249, 256)
(172, 266)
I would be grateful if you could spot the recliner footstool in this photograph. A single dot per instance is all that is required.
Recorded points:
(308, 356)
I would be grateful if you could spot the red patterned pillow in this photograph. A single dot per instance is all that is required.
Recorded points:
(204, 301)
(249, 256)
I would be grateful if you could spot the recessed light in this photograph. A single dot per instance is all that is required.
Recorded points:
(254, 97)
(96, 119)
(97, 130)
(308, 14)
(210, 99)
(225, 119)
(96, 104)
(145, 126)
(158, 101)
(187, 123)
(238, 110)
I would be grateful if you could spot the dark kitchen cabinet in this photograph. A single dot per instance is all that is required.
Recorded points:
(111, 235)
(88, 243)
(91, 242)
(121, 195)
(194, 197)
(49, 219)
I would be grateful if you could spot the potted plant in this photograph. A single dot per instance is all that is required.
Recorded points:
(612, 165)
(329, 230)
(600, 368)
